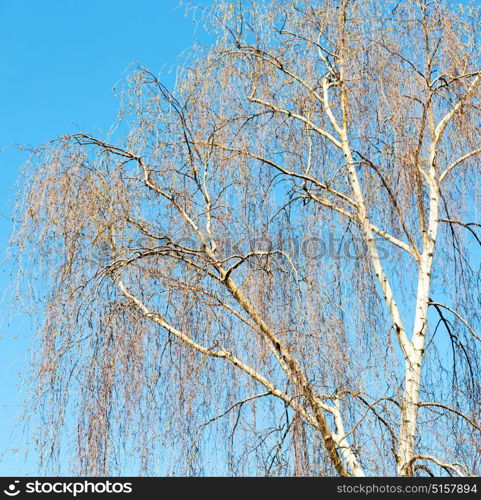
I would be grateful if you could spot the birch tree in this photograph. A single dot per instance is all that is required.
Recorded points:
(273, 268)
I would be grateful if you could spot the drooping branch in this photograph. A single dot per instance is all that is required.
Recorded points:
(460, 160)
(444, 465)
(437, 305)
(452, 410)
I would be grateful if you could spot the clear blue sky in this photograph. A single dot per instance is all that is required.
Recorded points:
(59, 62)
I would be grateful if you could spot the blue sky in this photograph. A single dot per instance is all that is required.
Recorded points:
(60, 61)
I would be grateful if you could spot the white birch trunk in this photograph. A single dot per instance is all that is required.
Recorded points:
(414, 359)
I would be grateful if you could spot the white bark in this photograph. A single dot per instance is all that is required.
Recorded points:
(343, 444)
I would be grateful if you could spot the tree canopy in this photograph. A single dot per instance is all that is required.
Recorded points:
(272, 268)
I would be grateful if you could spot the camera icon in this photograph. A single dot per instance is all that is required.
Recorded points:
(12, 490)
